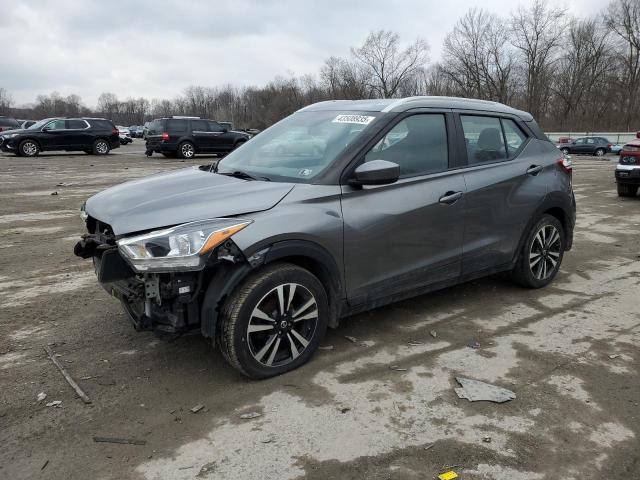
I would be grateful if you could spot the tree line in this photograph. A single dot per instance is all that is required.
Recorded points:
(570, 72)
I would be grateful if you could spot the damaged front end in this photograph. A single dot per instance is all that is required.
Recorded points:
(159, 275)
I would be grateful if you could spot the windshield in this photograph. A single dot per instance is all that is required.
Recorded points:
(299, 147)
(38, 125)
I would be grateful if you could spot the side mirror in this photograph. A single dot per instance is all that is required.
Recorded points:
(45, 129)
(376, 172)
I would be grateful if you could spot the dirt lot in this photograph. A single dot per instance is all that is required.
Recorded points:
(570, 352)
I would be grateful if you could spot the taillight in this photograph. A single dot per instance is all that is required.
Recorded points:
(609, 145)
(114, 131)
(165, 136)
(565, 163)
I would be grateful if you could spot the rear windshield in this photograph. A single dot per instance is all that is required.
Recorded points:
(9, 122)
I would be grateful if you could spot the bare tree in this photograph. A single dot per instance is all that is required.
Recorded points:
(477, 57)
(537, 33)
(623, 18)
(6, 101)
(386, 64)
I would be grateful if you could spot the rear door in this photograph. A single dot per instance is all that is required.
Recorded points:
(406, 235)
(580, 146)
(506, 182)
(78, 136)
(201, 135)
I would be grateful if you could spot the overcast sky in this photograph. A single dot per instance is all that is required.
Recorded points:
(156, 48)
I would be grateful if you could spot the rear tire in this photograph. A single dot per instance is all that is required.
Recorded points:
(627, 190)
(28, 148)
(101, 147)
(600, 152)
(186, 150)
(274, 321)
(565, 151)
(541, 255)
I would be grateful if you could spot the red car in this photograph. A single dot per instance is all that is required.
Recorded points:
(628, 169)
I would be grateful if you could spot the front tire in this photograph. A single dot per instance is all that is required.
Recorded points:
(274, 321)
(28, 148)
(101, 147)
(186, 150)
(626, 190)
(565, 151)
(541, 255)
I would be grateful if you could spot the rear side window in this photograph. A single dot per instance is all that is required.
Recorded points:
(418, 144)
(76, 124)
(514, 135)
(483, 138)
(198, 125)
(176, 126)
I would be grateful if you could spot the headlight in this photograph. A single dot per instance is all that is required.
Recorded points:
(183, 247)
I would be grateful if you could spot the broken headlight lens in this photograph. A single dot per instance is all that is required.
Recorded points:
(183, 247)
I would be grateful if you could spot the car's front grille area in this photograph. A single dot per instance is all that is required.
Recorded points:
(101, 229)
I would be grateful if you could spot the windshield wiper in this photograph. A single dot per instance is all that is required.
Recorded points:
(243, 175)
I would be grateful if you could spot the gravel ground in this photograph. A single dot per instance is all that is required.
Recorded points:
(569, 352)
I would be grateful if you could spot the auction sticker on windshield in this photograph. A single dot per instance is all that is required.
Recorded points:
(358, 119)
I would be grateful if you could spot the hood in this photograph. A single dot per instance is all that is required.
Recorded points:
(181, 196)
(15, 130)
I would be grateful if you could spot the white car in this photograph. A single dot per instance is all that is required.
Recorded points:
(125, 135)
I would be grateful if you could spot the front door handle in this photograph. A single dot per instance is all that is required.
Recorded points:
(534, 170)
(451, 197)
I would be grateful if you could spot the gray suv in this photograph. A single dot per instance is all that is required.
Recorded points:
(342, 207)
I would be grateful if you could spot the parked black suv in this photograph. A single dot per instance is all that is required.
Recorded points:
(186, 136)
(597, 146)
(90, 135)
(8, 123)
(341, 207)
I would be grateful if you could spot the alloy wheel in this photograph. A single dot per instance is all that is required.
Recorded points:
(599, 152)
(102, 147)
(545, 252)
(187, 150)
(282, 325)
(29, 149)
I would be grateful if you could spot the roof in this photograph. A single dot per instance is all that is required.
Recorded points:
(409, 103)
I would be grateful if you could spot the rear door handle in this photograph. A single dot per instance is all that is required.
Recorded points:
(451, 197)
(534, 170)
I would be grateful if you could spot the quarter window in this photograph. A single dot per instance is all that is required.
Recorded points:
(484, 140)
(514, 135)
(418, 144)
(215, 127)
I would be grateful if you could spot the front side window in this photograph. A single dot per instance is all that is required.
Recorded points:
(299, 147)
(215, 127)
(55, 125)
(484, 140)
(418, 144)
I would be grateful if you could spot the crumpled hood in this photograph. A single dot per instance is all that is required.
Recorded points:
(181, 196)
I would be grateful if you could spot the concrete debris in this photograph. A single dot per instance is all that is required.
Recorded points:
(249, 416)
(415, 343)
(474, 391)
(125, 441)
(433, 333)
(397, 368)
(613, 356)
(197, 408)
(351, 339)
(55, 403)
(41, 396)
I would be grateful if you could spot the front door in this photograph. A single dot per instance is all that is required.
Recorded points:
(53, 135)
(408, 234)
